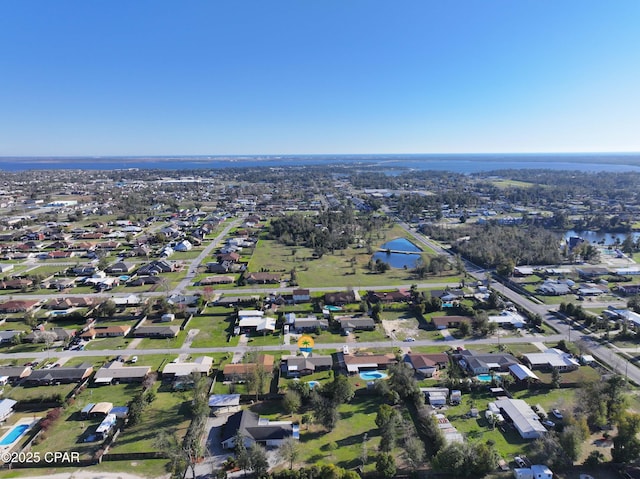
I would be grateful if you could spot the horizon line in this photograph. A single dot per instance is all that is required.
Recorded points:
(255, 155)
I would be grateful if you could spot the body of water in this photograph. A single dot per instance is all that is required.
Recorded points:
(459, 163)
(399, 260)
(598, 236)
(372, 375)
(14, 434)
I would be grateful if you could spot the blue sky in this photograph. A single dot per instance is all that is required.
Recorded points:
(154, 77)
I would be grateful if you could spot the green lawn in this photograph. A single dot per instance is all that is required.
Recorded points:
(357, 419)
(26, 393)
(169, 412)
(107, 343)
(214, 330)
(332, 269)
(162, 343)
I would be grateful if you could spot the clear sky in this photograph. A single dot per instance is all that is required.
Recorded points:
(221, 77)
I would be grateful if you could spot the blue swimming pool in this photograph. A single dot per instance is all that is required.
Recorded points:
(486, 378)
(333, 308)
(14, 434)
(372, 375)
(313, 384)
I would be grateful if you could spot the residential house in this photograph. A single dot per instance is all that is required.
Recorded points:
(18, 305)
(61, 375)
(426, 365)
(508, 319)
(106, 332)
(262, 278)
(61, 335)
(230, 301)
(628, 289)
(176, 370)
(454, 322)
(251, 321)
(239, 372)
(209, 280)
(340, 298)
(522, 373)
(116, 372)
(184, 245)
(367, 362)
(554, 288)
(156, 331)
(349, 324)
(154, 268)
(301, 295)
(550, 359)
(73, 302)
(120, 267)
(255, 429)
(15, 373)
(388, 297)
(296, 366)
(482, 363)
(230, 257)
(17, 283)
(142, 280)
(7, 336)
(309, 324)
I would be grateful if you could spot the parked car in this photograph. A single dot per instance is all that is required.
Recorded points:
(556, 413)
(409, 340)
(134, 359)
(549, 424)
(519, 461)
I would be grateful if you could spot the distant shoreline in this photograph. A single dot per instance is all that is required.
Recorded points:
(459, 163)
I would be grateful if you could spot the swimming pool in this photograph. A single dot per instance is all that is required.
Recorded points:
(372, 375)
(13, 435)
(486, 378)
(313, 384)
(333, 308)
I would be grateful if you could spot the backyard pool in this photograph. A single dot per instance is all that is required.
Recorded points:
(13, 435)
(313, 384)
(486, 378)
(372, 375)
(333, 308)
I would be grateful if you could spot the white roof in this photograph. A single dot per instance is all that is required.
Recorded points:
(522, 372)
(524, 418)
(249, 313)
(223, 400)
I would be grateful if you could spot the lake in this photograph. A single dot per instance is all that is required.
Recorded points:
(598, 236)
(399, 260)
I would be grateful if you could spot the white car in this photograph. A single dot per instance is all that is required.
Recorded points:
(134, 359)
(409, 340)
(557, 414)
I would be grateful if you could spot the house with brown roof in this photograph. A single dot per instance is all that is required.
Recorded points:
(17, 283)
(156, 332)
(387, 297)
(106, 332)
(340, 298)
(454, 322)
(368, 362)
(18, 306)
(241, 371)
(262, 278)
(426, 365)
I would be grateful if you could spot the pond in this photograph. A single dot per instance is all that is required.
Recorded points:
(406, 259)
(598, 236)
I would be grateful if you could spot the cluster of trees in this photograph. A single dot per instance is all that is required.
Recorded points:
(493, 245)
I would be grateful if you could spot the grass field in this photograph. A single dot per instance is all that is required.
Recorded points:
(343, 269)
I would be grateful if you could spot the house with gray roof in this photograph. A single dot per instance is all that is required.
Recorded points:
(296, 366)
(255, 429)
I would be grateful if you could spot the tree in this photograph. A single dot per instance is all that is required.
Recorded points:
(258, 462)
(386, 466)
(242, 454)
(289, 451)
(291, 401)
(626, 445)
(106, 309)
(464, 328)
(387, 421)
(325, 411)
(402, 380)
(413, 450)
(555, 378)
